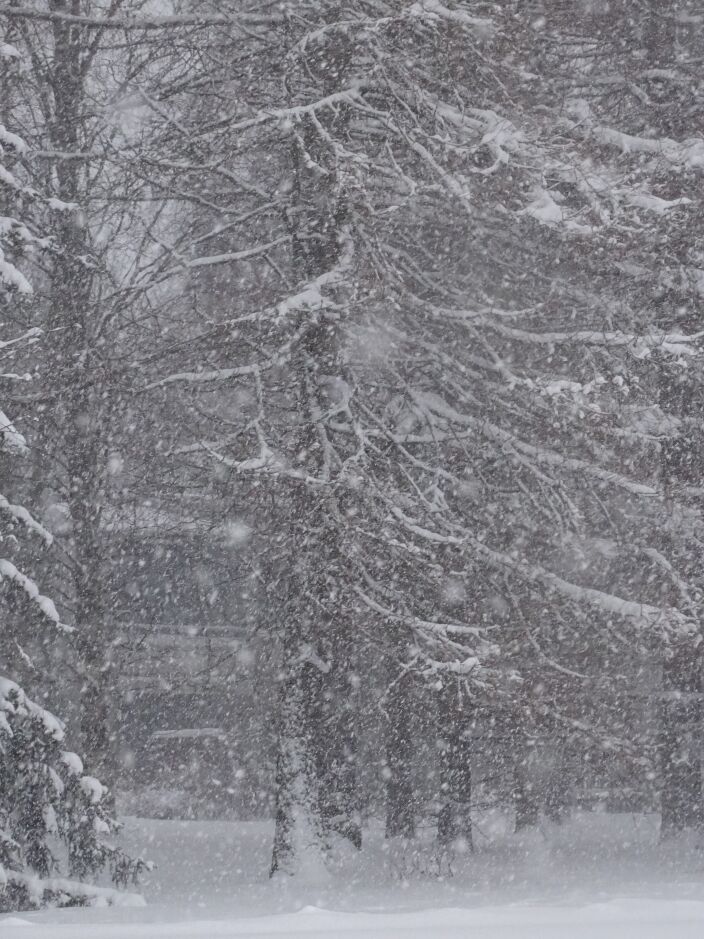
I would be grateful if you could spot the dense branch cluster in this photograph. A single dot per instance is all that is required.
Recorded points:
(53, 816)
(412, 289)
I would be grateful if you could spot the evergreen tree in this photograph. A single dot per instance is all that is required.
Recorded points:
(429, 358)
(438, 375)
(53, 817)
(434, 270)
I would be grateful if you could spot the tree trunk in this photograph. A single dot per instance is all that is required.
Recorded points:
(317, 777)
(400, 797)
(525, 803)
(680, 747)
(455, 818)
(337, 747)
(298, 836)
(557, 794)
(80, 372)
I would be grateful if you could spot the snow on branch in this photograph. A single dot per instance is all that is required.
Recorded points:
(22, 515)
(460, 629)
(309, 297)
(434, 11)
(144, 23)
(464, 661)
(498, 133)
(642, 615)
(8, 139)
(229, 257)
(61, 891)
(267, 462)
(349, 96)
(31, 335)
(677, 344)
(687, 154)
(432, 404)
(10, 572)
(12, 439)
(546, 208)
(72, 806)
(8, 52)
(11, 278)
(546, 211)
(217, 374)
(253, 369)
(14, 701)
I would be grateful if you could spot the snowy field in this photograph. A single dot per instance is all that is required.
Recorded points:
(646, 919)
(601, 877)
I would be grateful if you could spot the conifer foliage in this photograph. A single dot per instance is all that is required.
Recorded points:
(399, 300)
(54, 819)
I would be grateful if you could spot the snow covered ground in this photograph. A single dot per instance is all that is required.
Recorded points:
(601, 877)
(675, 919)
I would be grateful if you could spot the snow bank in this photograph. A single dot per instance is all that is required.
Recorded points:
(617, 919)
(599, 876)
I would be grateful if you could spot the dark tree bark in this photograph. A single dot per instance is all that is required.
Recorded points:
(455, 818)
(681, 801)
(298, 833)
(557, 794)
(525, 801)
(80, 371)
(400, 795)
(680, 743)
(337, 745)
(322, 739)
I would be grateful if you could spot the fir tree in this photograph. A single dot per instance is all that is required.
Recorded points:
(53, 817)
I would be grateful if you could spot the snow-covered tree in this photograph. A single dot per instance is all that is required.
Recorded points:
(55, 828)
(429, 361)
(420, 333)
(85, 128)
(630, 82)
(54, 824)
